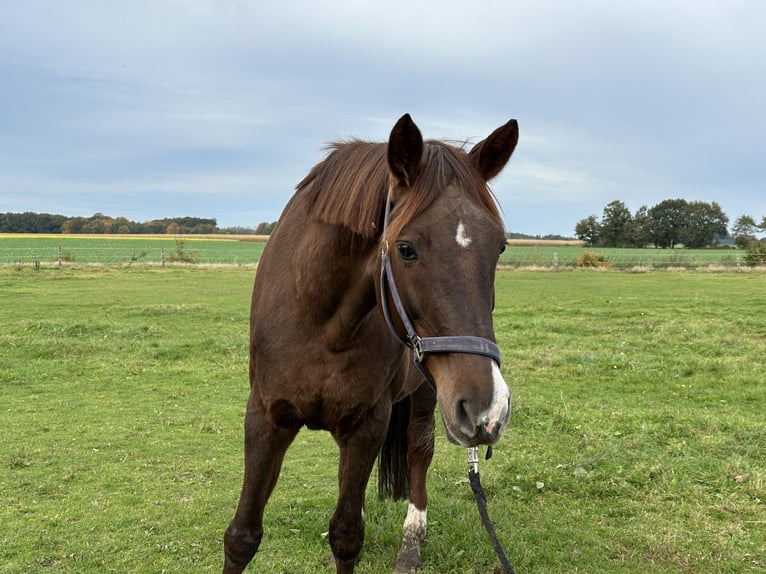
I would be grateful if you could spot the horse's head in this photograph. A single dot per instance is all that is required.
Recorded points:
(443, 242)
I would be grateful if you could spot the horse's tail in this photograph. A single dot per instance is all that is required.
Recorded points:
(393, 468)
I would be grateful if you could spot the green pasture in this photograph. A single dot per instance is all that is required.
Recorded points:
(133, 251)
(522, 256)
(116, 250)
(637, 441)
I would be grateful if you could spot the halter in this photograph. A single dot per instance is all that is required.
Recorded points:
(422, 346)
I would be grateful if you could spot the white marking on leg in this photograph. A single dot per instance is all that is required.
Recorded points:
(497, 414)
(461, 236)
(416, 524)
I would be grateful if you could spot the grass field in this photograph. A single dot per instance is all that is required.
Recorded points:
(138, 250)
(117, 250)
(637, 443)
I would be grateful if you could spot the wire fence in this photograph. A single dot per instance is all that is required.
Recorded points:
(85, 251)
(74, 251)
(567, 257)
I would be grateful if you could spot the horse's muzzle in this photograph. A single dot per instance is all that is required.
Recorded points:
(488, 427)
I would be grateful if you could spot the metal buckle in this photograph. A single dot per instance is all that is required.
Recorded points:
(417, 348)
(473, 458)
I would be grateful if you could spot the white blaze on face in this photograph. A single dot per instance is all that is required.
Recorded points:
(461, 236)
(501, 400)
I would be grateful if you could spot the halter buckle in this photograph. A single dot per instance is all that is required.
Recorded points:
(473, 458)
(416, 344)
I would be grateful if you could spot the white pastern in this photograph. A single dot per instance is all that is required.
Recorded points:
(415, 525)
(461, 236)
(501, 400)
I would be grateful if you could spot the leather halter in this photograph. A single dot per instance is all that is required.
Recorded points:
(422, 346)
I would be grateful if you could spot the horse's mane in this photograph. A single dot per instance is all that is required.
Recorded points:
(349, 187)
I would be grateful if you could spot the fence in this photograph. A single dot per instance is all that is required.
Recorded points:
(73, 250)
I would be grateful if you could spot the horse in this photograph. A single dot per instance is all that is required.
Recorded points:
(372, 303)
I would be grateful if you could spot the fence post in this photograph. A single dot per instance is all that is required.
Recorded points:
(162, 256)
(556, 260)
(59, 255)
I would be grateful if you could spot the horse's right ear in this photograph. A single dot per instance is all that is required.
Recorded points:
(405, 151)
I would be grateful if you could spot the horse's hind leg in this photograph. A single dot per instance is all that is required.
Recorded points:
(265, 448)
(420, 451)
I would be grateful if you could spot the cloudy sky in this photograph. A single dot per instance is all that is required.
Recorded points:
(217, 108)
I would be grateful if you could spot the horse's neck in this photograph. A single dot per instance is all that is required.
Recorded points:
(345, 298)
(318, 275)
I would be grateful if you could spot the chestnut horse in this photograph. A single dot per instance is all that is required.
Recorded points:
(382, 244)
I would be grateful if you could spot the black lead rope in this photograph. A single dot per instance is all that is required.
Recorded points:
(481, 503)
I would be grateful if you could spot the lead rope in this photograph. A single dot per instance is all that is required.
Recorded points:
(481, 503)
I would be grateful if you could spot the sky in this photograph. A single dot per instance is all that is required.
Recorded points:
(218, 108)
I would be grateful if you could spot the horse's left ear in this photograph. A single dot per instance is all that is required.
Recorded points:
(490, 155)
(405, 151)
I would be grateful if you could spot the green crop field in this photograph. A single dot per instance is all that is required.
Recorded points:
(637, 442)
(120, 250)
(21, 250)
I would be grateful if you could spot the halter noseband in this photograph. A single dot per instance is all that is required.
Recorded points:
(421, 346)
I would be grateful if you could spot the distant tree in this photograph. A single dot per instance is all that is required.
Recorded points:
(743, 231)
(98, 223)
(74, 225)
(666, 222)
(638, 229)
(615, 225)
(236, 230)
(265, 228)
(123, 226)
(587, 230)
(153, 226)
(705, 224)
(29, 222)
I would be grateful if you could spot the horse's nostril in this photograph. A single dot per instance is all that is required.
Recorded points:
(462, 418)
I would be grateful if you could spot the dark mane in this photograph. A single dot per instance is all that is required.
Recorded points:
(349, 187)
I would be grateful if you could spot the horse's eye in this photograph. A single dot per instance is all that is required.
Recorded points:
(502, 248)
(406, 251)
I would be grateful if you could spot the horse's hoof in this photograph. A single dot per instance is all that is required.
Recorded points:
(408, 560)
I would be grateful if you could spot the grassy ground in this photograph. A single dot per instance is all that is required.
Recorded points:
(135, 250)
(637, 443)
(141, 251)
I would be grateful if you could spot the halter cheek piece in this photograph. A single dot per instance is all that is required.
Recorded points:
(422, 346)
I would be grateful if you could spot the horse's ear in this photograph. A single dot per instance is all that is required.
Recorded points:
(490, 155)
(405, 151)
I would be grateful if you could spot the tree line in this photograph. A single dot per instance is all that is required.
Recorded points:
(672, 222)
(99, 223)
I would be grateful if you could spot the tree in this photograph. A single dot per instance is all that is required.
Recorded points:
(74, 225)
(638, 230)
(705, 224)
(265, 228)
(743, 231)
(615, 225)
(666, 222)
(587, 230)
(29, 222)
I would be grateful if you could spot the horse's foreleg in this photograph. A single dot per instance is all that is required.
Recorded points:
(358, 451)
(265, 448)
(420, 440)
